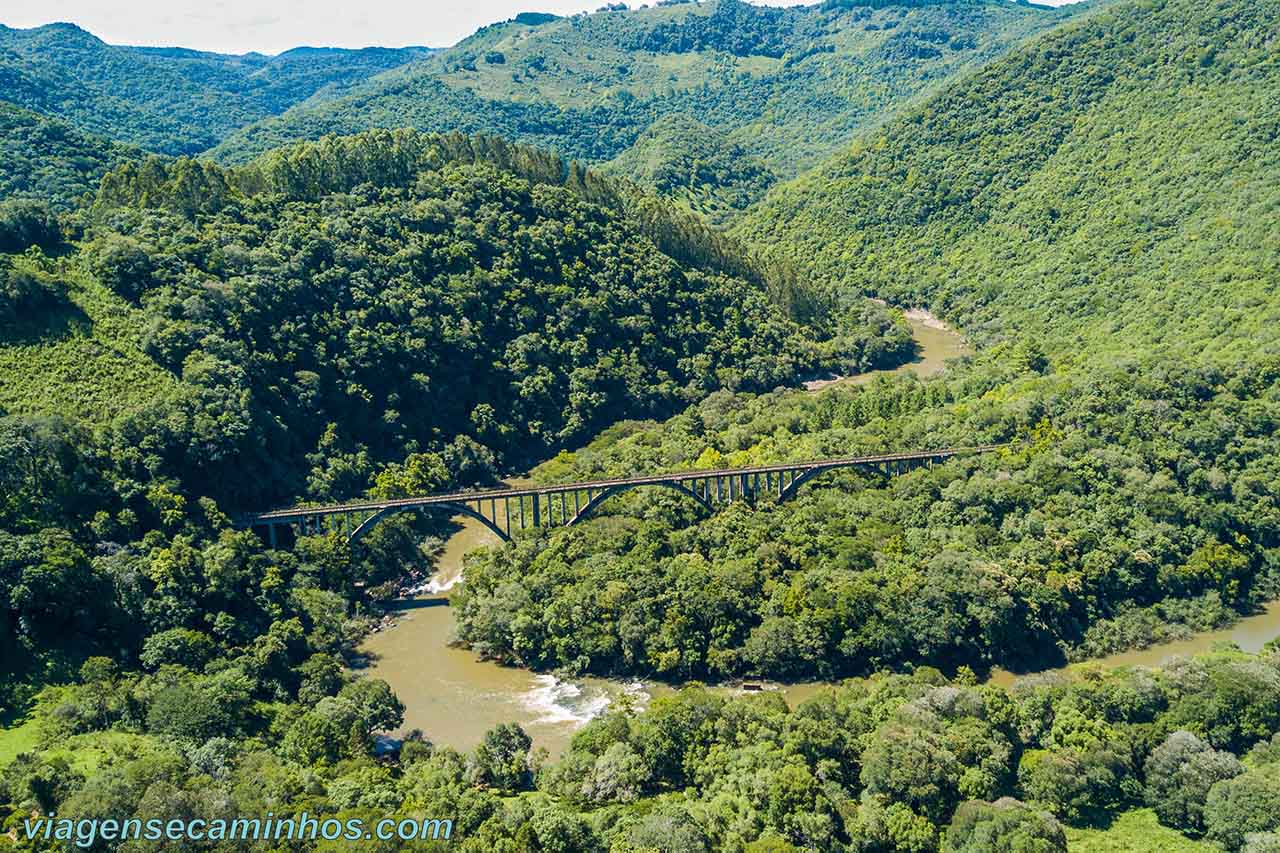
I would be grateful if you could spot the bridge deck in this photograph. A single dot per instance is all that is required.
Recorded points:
(284, 515)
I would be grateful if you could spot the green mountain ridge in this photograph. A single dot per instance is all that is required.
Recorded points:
(1110, 184)
(171, 100)
(401, 312)
(784, 86)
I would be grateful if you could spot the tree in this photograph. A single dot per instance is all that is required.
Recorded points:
(557, 831)
(1261, 842)
(188, 712)
(911, 765)
(1004, 826)
(617, 775)
(670, 829)
(1076, 786)
(181, 646)
(123, 265)
(321, 676)
(419, 474)
(1243, 804)
(24, 224)
(884, 825)
(27, 295)
(375, 706)
(502, 758)
(1180, 772)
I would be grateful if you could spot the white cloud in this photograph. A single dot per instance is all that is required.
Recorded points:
(270, 26)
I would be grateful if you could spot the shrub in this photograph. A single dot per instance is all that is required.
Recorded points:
(24, 224)
(1180, 773)
(1004, 826)
(124, 266)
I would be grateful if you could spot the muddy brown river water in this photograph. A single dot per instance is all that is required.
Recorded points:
(455, 697)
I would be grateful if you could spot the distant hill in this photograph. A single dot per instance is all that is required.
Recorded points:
(483, 289)
(171, 100)
(776, 89)
(46, 159)
(685, 159)
(1114, 185)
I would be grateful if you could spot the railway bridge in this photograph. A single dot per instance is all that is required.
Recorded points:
(566, 504)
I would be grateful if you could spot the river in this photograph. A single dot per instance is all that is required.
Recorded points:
(1250, 633)
(454, 697)
(936, 344)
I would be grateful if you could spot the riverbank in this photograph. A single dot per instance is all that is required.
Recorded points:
(1250, 633)
(936, 344)
(454, 696)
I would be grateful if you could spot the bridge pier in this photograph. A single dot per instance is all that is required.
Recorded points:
(729, 485)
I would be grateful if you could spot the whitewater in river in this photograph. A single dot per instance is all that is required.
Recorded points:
(454, 697)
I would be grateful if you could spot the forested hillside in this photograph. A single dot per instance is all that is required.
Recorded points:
(395, 312)
(170, 100)
(1111, 187)
(394, 294)
(1138, 500)
(1141, 493)
(783, 87)
(911, 763)
(400, 311)
(47, 160)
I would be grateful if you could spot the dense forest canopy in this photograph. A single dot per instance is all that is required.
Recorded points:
(1110, 186)
(50, 161)
(784, 86)
(349, 302)
(171, 100)
(1009, 202)
(1138, 501)
(401, 311)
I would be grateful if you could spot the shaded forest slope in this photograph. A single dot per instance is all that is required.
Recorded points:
(785, 86)
(1114, 184)
(293, 325)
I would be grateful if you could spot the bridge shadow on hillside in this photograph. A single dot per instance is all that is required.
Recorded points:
(62, 321)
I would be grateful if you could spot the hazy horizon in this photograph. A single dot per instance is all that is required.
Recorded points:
(273, 26)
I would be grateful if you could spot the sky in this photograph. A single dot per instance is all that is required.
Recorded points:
(270, 26)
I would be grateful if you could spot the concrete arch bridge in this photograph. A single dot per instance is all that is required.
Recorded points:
(506, 510)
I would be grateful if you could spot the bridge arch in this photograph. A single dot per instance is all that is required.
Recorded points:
(794, 486)
(589, 508)
(453, 508)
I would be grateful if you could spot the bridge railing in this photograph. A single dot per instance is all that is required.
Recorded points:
(570, 503)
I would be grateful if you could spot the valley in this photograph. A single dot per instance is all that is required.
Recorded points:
(624, 243)
(448, 692)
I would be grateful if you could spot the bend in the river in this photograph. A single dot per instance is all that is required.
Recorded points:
(454, 697)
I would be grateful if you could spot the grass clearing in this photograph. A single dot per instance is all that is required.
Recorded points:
(17, 738)
(1135, 831)
(85, 362)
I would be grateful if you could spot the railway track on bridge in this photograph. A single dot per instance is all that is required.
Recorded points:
(570, 503)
